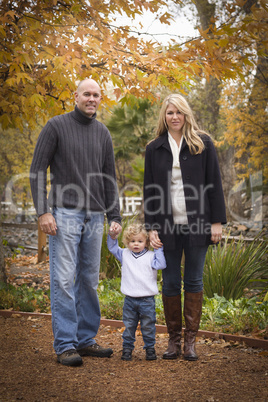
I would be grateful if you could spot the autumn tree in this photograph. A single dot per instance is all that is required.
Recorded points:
(47, 45)
(246, 125)
(246, 120)
(233, 109)
(240, 27)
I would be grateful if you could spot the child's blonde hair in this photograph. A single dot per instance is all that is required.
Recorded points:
(133, 230)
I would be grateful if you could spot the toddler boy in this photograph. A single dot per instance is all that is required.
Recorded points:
(139, 285)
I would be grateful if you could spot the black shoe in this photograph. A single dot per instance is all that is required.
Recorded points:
(126, 354)
(70, 358)
(150, 354)
(96, 351)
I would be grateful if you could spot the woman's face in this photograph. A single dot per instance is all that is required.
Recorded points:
(175, 119)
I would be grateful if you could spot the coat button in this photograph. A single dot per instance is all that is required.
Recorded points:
(184, 157)
(188, 177)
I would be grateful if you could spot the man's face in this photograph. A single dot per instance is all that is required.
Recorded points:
(88, 97)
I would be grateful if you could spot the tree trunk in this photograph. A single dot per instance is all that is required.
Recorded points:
(212, 93)
(3, 277)
(209, 115)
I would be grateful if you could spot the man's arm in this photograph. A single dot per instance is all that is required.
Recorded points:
(43, 154)
(109, 178)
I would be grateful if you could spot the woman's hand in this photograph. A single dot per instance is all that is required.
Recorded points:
(216, 232)
(155, 242)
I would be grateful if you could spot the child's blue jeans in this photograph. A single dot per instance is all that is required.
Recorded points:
(139, 309)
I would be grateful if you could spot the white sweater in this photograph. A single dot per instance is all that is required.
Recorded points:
(139, 270)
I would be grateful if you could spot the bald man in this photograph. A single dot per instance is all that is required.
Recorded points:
(79, 151)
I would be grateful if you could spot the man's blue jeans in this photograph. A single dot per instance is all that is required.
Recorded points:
(139, 309)
(74, 255)
(193, 268)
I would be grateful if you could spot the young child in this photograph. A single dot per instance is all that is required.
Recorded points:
(139, 285)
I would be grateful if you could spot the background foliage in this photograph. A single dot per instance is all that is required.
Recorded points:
(234, 267)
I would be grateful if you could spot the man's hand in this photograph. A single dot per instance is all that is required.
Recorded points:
(115, 230)
(48, 224)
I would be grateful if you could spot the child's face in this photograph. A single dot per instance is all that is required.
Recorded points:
(137, 243)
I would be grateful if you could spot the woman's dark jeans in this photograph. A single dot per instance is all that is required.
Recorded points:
(193, 266)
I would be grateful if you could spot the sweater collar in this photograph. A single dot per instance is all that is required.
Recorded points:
(81, 117)
(140, 254)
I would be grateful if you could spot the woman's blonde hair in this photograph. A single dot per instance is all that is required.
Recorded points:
(190, 130)
(133, 230)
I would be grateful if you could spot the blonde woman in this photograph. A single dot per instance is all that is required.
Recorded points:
(184, 210)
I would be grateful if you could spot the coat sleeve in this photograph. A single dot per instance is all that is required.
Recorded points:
(214, 185)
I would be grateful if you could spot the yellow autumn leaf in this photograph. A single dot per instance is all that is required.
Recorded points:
(36, 99)
(65, 95)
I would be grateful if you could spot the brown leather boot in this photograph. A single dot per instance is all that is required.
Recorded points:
(173, 316)
(192, 316)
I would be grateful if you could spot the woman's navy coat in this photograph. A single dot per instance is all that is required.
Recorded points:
(202, 189)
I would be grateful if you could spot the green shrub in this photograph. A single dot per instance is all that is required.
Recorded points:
(160, 316)
(242, 315)
(232, 316)
(111, 299)
(24, 298)
(233, 267)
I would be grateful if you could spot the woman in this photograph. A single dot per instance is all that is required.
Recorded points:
(184, 211)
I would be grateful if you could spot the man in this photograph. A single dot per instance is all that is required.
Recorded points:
(78, 149)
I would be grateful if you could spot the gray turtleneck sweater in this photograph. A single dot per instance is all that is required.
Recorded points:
(79, 152)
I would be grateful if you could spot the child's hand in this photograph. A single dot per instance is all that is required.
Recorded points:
(112, 234)
(115, 230)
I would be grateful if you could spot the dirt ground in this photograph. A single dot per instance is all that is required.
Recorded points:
(29, 370)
